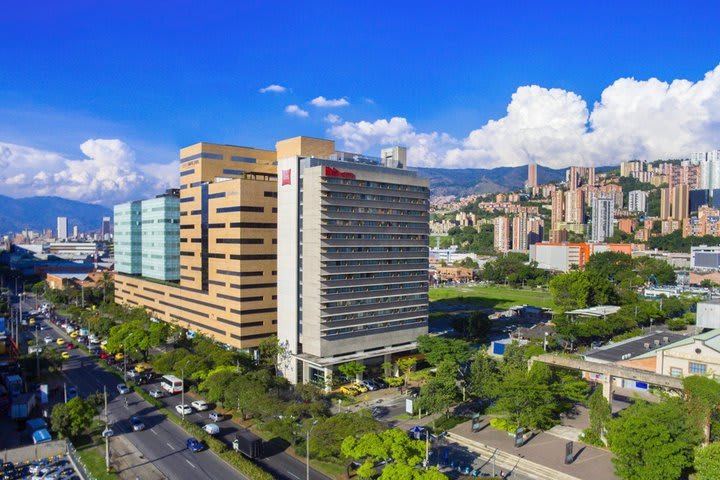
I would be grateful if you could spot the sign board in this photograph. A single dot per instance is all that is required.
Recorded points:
(286, 177)
(476, 422)
(519, 438)
(409, 407)
(334, 172)
(44, 390)
(569, 453)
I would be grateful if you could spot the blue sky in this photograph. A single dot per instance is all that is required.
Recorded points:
(161, 75)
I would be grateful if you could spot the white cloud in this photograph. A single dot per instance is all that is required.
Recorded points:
(323, 102)
(648, 119)
(295, 110)
(108, 174)
(273, 88)
(332, 118)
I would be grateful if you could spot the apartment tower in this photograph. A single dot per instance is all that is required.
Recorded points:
(532, 181)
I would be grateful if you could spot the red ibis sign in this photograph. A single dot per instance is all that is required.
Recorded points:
(334, 172)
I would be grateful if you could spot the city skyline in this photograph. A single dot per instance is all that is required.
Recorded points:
(482, 106)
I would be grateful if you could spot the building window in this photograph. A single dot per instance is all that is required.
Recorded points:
(676, 372)
(697, 368)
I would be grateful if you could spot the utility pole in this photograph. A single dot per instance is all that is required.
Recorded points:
(427, 449)
(65, 390)
(107, 431)
(37, 350)
(182, 392)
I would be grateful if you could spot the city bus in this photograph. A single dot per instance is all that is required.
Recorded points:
(171, 384)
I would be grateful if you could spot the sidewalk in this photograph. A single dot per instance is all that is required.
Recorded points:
(541, 457)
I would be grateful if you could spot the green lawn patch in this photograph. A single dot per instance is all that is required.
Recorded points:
(94, 459)
(491, 296)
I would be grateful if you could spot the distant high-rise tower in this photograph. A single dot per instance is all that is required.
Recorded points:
(680, 202)
(62, 228)
(602, 218)
(532, 181)
(520, 232)
(575, 206)
(637, 200)
(106, 228)
(502, 234)
(75, 232)
(664, 203)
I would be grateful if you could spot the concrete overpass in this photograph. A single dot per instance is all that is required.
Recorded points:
(610, 371)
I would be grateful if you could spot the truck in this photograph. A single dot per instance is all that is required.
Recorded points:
(248, 444)
(22, 405)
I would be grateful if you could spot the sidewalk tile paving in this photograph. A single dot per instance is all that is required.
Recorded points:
(545, 449)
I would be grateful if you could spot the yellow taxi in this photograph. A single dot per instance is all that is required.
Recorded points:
(65, 355)
(75, 334)
(349, 390)
(360, 388)
(119, 356)
(140, 368)
(60, 341)
(31, 321)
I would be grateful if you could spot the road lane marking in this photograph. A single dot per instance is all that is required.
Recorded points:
(168, 444)
(292, 474)
(188, 461)
(153, 431)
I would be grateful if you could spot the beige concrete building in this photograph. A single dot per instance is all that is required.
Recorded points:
(228, 247)
(353, 256)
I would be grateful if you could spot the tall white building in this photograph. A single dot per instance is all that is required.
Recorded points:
(637, 201)
(62, 228)
(602, 218)
(709, 168)
(352, 255)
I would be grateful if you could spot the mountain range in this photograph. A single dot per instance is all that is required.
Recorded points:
(40, 213)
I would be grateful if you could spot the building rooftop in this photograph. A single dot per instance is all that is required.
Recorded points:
(633, 347)
(710, 338)
(598, 311)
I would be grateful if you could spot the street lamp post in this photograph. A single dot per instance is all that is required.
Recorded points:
(182, 392)
(307, 449)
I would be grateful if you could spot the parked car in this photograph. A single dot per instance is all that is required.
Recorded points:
(60, 341)
(183, 409)
(119, 356)
(104, 355)
(369, 385)
(65, 355)
(71, 393)
(349, 390)
(123, 389)
(194, 445)
(216, 416)
(379, 382)
(71, 346)
(200, 405)
(211, 429)
(156, 393)
(48, 339)
(136, 424)
(361, 388)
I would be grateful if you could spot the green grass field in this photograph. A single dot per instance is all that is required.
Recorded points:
(493, 296)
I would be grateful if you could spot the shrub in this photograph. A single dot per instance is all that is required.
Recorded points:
(448, 422)
(394, 381)
(591, 438)
(676, 324)
(503, 424)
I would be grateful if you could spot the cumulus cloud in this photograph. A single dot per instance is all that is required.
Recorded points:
(332, 118)
(323, 102)
(274, 88)
(633, 119)
(109, 173)
(295, 110)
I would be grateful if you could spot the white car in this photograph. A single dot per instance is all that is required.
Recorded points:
(183, 409)
(123, 389)
(200, 405)
(48, 339)
(216, 416)
(155, 393)
(211, 429)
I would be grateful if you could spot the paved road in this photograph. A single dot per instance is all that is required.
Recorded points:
(163, 442)
(280, 464)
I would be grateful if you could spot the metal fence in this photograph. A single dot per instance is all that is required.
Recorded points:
(78, 463)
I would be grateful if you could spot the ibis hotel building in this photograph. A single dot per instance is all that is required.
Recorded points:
(352, 257)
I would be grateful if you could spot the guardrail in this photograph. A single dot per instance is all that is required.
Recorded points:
(77, 462)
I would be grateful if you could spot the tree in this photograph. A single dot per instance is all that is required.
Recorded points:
(439, 393)
(653, 441)
(137, 336)
(352, 370)
(393, 446)
(475, 326)
(329, 433)
(570, 290)
(217, 383)
(707, 462)
(483, 375)
(703, 399)
(406, 365)
(437, 349)
(72, 418)
(600, 412)
(270, 351)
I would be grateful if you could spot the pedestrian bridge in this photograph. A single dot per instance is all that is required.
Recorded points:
(610, 371)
